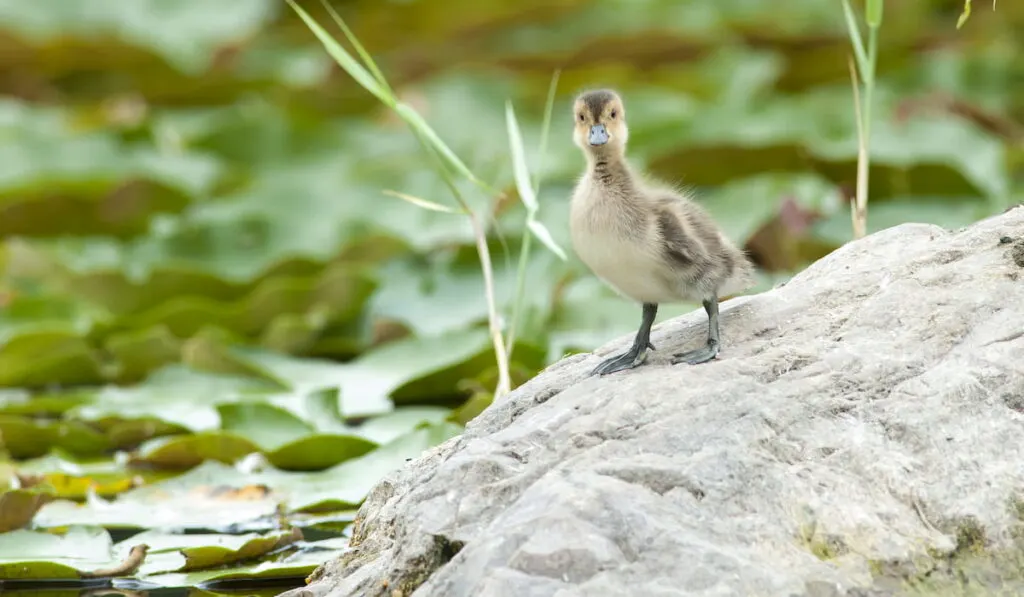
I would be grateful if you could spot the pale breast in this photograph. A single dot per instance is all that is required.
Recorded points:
(627, 268)
(621, 259)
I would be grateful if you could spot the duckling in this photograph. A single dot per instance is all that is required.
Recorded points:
(649, 242)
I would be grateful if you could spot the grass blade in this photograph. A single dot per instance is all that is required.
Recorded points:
(343, 58)
(417, 121)
(367, 59)
(855, 39)
(873, 13)
(544, 236)
(858, 209)
(424, 203)
(966, 14)
(522, 175)
(549, 105)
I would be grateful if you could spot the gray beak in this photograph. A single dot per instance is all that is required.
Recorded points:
(598, 135)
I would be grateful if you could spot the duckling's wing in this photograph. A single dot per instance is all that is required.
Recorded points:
(695, 248)
(677, 246)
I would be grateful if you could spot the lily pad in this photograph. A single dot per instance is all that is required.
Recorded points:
(176, 396)
(26, 438)
(211, 496)
(44, 357)
(347, 484)
(288, 442)
(169, 552)
(185, 33)
(32, 555)
(18, 506)
(186, 451)
(216, 496)
(73, 480)
(297, 564)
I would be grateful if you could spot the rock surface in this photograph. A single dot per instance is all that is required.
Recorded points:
(861, 431)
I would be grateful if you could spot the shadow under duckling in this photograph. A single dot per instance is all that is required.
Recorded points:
(650, 243)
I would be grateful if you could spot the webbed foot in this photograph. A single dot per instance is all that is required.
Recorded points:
(633, 357)
(710, 350)
(696, 357)
(637, 354)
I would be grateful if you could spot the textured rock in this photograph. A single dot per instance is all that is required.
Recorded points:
(864, 425)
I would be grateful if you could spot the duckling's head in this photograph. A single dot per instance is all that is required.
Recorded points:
(600, 123)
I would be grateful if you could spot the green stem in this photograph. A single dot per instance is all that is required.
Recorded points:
(864, 161)
(524, 255)
(524, 246)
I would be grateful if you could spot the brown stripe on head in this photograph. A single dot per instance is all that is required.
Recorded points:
(597, 100)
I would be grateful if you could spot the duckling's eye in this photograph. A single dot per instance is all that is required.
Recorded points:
(613, 114)
(581, 117)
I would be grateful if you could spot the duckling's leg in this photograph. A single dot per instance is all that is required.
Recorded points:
(638, 352)
(710, 350)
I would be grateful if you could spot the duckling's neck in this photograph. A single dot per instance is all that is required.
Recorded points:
(610, 170)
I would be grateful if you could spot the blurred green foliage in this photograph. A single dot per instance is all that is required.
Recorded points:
(198, 260)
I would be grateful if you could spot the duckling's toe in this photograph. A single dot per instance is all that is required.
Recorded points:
(696, 357)
(626, 360)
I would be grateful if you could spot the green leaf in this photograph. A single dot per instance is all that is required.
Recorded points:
(347, 484)
(187, 451)
(18, 506)
(408, 369)
(19, 401)
(26, 438)
(289, 442)
(201, 551)
(268, 426)
(175, 398)
(211, 496)
(56, 179)
(31, 555)
(216, 496)
(296, 564)
(184, 32)
(319, 451)
(387, 428)
(41, 358)
(76, 480)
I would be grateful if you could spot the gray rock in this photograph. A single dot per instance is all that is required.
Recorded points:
(862, 431)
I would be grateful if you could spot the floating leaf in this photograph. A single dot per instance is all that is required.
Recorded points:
(215, 496)
(31, 555)
(186, 451)
(210, 496)
(346, 485)
(27, 438)
(77, 480)
(288, 442)
(297, 564)
(18, 506)
(202, 551)
(185, 33)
